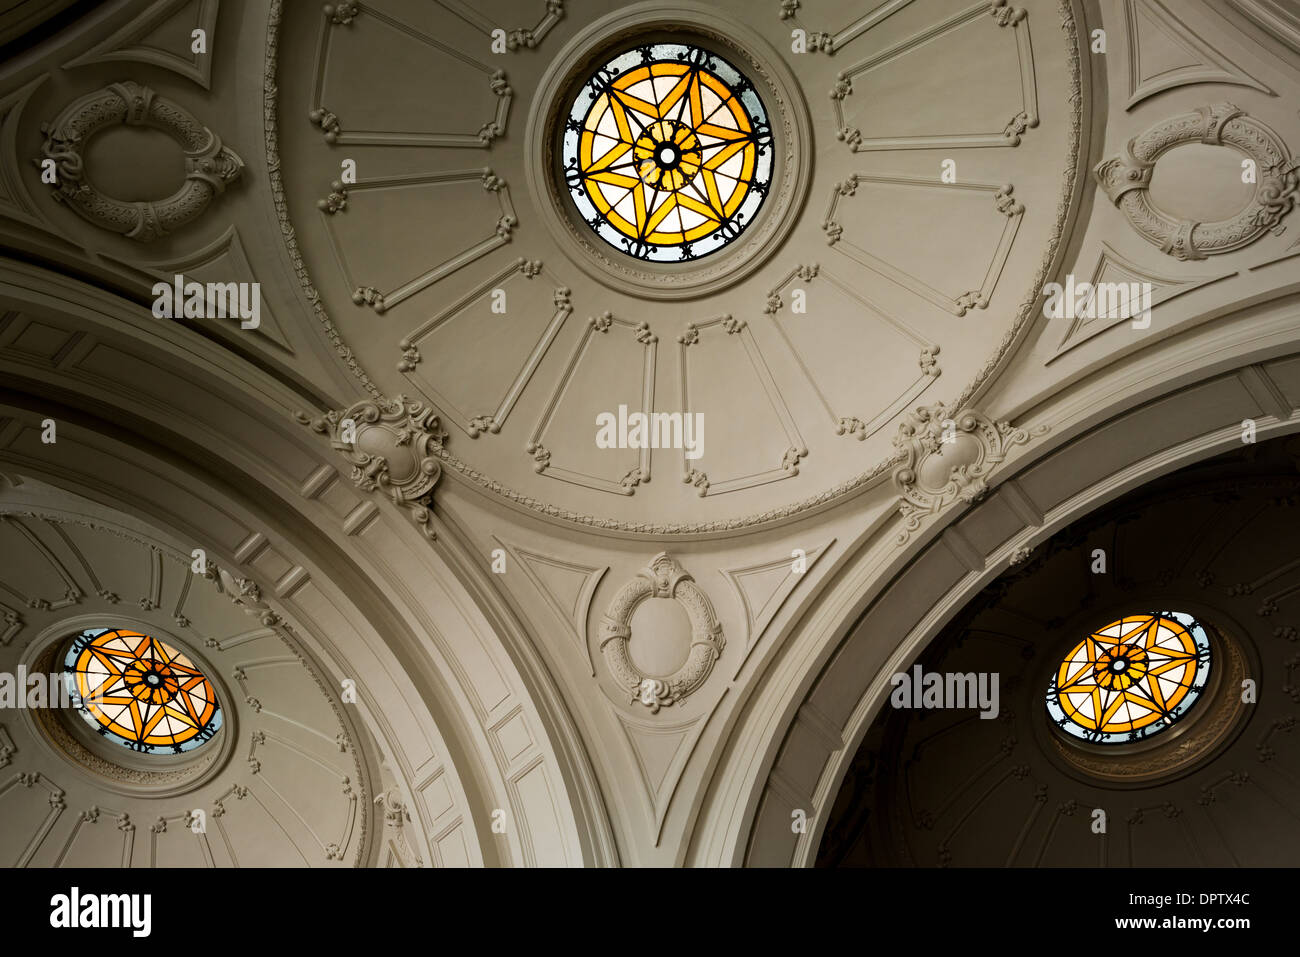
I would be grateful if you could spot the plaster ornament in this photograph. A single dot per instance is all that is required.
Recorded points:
(396, 817)
(947, 457)
(1127, 181)
(663, 578)
(209, 166)
(393, 446)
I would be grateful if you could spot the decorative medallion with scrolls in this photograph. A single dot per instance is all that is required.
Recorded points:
(948, 456)
(392, 446)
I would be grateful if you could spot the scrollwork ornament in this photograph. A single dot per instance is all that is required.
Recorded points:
(393, 447)
(947, 456)
(663, 578)
(396, 817)
(209, 166)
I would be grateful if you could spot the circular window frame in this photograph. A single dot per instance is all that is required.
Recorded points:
(69, 736)
(715, 72)
(1184, 709)
(787, 117)
(1208, 726)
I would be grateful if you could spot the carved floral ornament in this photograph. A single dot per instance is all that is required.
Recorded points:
(948, 457)
(392, 445)
(664, 578)
(1127, 180)
(209, 166)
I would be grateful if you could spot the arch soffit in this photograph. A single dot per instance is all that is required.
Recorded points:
(256, 469)
(793, 741)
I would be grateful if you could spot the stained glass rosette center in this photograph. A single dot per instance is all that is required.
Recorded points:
(667, 152)
(140, 691)
(1131, 679)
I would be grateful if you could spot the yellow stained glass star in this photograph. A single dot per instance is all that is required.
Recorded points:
(1133, 677)
(668, 154)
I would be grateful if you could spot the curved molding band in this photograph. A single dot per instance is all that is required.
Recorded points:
(209, 166)
(1127, 181)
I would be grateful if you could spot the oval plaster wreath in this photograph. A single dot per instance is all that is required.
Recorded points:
(209, 166)
(1127, 180)
(664, 578)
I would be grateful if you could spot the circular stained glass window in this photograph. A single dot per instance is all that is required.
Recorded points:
(667, 152)
(1131, 679)
(141, 692)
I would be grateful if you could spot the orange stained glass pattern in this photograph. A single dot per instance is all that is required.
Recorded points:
(667, 152)
(140, 691)
(1131, 679)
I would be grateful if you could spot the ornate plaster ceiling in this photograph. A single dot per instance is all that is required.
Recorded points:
(284, 780)
(624, 699)
(915, 287)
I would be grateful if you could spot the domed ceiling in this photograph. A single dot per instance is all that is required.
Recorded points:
(906, 224)
(1218, 788)
(493, 233)
(284, 780)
